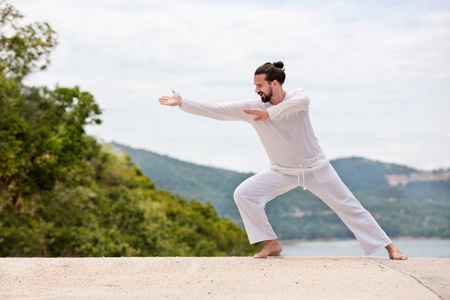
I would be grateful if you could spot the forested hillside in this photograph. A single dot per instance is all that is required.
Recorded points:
(64, 194)
(420, 208)
(190, 180)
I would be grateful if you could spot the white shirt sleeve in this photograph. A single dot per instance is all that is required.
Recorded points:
(297, 100)
(219, 111)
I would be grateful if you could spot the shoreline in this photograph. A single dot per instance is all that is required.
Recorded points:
(401, 238)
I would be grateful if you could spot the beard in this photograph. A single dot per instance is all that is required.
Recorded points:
(266, 98)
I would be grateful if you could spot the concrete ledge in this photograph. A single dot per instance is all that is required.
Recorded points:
(224, 278)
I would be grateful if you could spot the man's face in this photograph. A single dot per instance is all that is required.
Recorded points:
(263, 87)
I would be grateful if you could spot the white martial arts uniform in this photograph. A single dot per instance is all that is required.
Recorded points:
(296, 160)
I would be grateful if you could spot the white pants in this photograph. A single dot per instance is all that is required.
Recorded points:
(252, 195)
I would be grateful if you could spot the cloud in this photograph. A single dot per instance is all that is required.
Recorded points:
(373, 70)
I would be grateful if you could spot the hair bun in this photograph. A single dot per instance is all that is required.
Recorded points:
(279, 65)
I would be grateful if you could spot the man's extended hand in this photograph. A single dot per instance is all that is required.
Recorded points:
(261, 114)
(173, 100)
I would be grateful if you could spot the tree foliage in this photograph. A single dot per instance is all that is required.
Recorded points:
(107, 207)
(38, 126)
(23, 48)
(42, 133)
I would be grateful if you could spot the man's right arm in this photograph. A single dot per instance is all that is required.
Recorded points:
(218, 111)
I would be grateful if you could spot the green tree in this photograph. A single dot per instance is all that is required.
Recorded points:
(107, 207)
(41, 130)
(23, 48)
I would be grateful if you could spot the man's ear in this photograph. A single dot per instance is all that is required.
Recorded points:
(275, 83)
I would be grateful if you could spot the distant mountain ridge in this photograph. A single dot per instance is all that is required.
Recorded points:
(404, 203)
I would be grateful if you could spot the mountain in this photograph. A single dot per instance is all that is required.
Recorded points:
(190, 180)
(405, 201)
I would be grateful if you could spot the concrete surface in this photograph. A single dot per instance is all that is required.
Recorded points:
(224, 278)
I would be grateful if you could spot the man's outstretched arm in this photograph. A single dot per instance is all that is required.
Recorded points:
(219, 111)
(174, 100)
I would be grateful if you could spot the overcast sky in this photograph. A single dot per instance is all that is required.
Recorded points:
(377, 72)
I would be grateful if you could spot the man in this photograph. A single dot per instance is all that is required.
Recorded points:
(282, 122)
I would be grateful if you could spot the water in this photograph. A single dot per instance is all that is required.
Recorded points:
(410, 247)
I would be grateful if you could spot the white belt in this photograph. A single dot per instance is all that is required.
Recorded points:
(300, 171)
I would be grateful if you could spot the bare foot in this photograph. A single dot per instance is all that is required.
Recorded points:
(271, 247)
(394, 252)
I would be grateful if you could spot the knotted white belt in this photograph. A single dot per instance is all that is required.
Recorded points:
(299, 172)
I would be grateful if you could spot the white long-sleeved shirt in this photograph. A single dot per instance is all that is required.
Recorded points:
(287, 135)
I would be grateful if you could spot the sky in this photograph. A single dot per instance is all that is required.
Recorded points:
(377, 72)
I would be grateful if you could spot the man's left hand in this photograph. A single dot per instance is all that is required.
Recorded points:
(261, 114)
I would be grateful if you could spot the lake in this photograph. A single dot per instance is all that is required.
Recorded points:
(410, 247)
